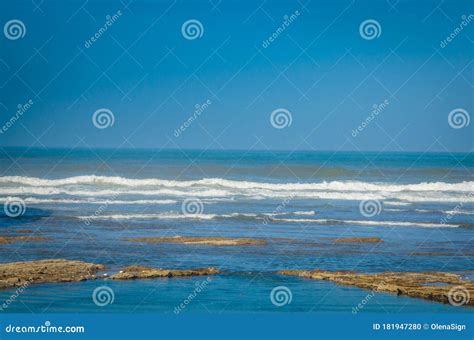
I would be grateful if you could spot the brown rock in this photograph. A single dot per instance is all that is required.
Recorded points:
(358, 240)
(13, 239)
(142, 272)
(211, 241)
(420, 285)
(43, 271)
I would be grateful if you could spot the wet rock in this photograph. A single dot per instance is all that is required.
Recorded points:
(43, 271)
(142, 272)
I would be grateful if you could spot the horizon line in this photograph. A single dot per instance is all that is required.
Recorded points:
(229, 150)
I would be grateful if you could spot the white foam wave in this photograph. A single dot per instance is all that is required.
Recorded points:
(459, 212)
(396, 203)
(99, 186)
(166, 216)
(44, 191)
(251, 195)
(34, 200)
(431, 211)
(304, 213)
(176, 216)
(367, 222)
(334, 185)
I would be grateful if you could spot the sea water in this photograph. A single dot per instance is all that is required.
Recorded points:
(87, 202)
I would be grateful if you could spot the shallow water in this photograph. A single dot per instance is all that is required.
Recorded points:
(298, 202)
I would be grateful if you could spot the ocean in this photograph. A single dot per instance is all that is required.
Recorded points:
(87, 202)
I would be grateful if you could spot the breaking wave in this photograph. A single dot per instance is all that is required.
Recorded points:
(100, 186)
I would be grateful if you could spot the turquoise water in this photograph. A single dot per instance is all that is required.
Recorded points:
(88, 201)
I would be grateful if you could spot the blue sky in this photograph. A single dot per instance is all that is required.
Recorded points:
(319, 68)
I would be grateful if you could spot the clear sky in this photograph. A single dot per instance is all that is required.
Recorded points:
(319, 68)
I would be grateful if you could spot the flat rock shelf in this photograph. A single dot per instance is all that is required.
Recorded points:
(211, 241)
(435, 286)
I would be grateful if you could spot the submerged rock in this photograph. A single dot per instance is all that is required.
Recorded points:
(435, 286)
(438, 253)
(13, 239)
(358, 240)
(211, 241)
(142, 272)
(16, 274)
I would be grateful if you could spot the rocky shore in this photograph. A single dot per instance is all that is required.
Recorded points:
(17, 274)
(435, 286)
(211, 241)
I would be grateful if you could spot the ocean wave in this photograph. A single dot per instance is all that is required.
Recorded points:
(459, 212)
(304, 213)
(368, 222)
(396, 203)
(34, 200)
(175, 216)
(99, 186)
(238, 194)
(268, 217)
(169, 216)
(431, 211)
(45, 191)
(465, 186)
